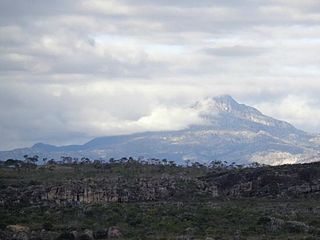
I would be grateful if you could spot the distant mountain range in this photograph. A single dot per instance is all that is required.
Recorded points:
(230, 132)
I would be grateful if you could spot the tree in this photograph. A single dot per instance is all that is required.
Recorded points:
(188, 161)
(51, 162)
(97, 164)
(12, 162)
(172, 163)
(32, 159)
(85, 160)
(66, 159)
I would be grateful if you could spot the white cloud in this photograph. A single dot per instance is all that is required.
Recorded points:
(302, 111)
(169, 118)
(109, 7)
(71, 70)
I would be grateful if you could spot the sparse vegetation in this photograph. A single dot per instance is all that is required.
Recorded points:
(188, 211)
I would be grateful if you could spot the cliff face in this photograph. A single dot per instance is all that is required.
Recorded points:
(287, 181)
(111, 190)
(266, 182)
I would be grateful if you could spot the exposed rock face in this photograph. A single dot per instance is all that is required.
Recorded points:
(287, 181)
(282, 182)
(18, 228)
(90, 191)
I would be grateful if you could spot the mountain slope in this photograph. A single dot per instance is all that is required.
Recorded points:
(230, 132)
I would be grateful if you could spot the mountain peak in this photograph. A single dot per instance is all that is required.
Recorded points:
(223, 112)
(43, 146)
(225, 103)
(218, 104)
(225, 98)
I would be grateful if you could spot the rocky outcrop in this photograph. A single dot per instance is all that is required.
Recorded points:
(267, 182)
(288, 181)
(105, 190)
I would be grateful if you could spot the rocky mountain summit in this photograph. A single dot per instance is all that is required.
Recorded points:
(229, 131)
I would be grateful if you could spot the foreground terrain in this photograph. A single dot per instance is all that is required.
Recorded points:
(128, 199)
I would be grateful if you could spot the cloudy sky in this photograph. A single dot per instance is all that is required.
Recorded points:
(71, 70)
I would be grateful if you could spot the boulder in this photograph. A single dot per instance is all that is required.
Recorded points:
(18, 228)
(114, 232)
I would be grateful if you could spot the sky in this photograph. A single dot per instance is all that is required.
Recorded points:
(73, 70)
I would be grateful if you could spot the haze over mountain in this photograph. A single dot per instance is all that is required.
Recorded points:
(228, 131)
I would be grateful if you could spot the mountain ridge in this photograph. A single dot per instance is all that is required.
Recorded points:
(230, 132)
